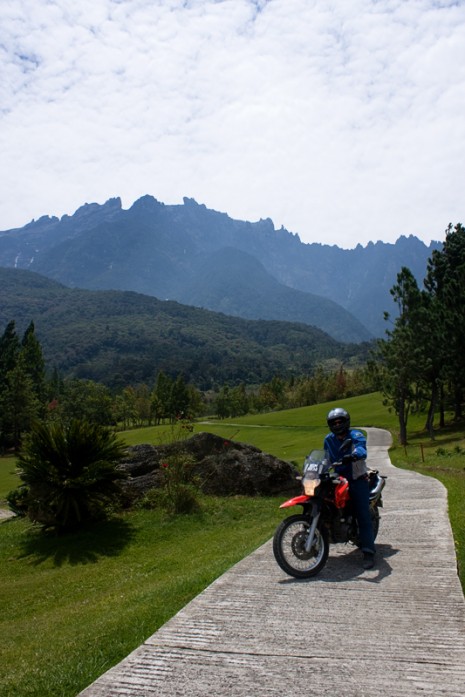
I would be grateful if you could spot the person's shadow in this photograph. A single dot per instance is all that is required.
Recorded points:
(348, 567)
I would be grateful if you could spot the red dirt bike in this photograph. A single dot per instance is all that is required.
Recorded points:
(301, 542)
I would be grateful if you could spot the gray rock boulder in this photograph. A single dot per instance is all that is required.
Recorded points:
(222, 467)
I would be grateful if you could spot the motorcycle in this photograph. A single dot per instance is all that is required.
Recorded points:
(301, 542)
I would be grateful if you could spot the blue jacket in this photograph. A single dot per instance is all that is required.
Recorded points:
(358, 448)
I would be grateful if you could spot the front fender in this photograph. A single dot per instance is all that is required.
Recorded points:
(296, 501)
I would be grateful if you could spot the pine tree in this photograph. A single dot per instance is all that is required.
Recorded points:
(31, 351)
(161, 397)
(179, 399)
(445, 281)
(401, 357)
(9, 351)
(20, 405)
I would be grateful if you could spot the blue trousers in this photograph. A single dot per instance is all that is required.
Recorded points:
(360, 496)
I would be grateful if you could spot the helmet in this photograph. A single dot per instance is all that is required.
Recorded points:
(338, 421)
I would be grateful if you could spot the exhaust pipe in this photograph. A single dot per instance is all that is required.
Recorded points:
(379, 486)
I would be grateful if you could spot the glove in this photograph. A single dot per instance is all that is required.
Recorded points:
(348, 459)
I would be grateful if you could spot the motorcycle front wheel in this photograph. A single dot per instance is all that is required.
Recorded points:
(289, 547)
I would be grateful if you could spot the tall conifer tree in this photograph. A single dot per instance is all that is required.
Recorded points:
(31, 352)
(446, 281)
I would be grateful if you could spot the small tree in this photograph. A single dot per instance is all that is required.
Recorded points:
(19, 404)
(85, 400)
(31, 351)
(161, 397)
(70, 473)
(401, 357)
(9, 351)
(179, 399)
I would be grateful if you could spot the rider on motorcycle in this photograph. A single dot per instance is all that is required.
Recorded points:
(354, 469)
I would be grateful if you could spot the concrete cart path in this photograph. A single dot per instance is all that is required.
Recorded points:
(394, 631)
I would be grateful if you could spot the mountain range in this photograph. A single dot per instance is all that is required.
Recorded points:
(200, 257)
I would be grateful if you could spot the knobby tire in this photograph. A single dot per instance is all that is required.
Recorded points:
(289, 547)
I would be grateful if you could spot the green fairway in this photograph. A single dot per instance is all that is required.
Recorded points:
(289, 434)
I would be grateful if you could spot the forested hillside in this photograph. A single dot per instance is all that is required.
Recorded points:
(121, 338)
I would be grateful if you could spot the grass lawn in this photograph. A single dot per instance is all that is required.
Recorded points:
(8, 478)
(289, 434)
(72, 606)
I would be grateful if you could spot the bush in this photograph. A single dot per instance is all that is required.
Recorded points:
(17, 500)
(71, 473)
(184, 499)
(178, 493)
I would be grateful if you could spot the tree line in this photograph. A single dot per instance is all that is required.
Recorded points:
(28, 394)
(420, 364)
(322, 386)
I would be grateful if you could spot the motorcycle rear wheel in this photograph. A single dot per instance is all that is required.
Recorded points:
(289, 547)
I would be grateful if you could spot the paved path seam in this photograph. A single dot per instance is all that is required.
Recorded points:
(395, 631)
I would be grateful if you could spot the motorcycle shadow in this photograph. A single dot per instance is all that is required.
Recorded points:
(346, 566)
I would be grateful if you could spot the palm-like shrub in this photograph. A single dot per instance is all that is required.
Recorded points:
(70, 473)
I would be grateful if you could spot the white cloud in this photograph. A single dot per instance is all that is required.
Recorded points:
(341, 121)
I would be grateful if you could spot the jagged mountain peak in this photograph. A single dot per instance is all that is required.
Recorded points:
(159, 249)
(88, 210)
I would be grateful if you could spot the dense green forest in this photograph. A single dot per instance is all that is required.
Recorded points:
(125, 338)
(124, 359)
(28, 393)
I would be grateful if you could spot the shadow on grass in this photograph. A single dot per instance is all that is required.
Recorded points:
(87, 546)
(443, 437)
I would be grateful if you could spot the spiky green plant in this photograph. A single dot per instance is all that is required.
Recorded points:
(71, 473)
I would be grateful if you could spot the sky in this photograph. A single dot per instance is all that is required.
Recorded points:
(341, 120)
